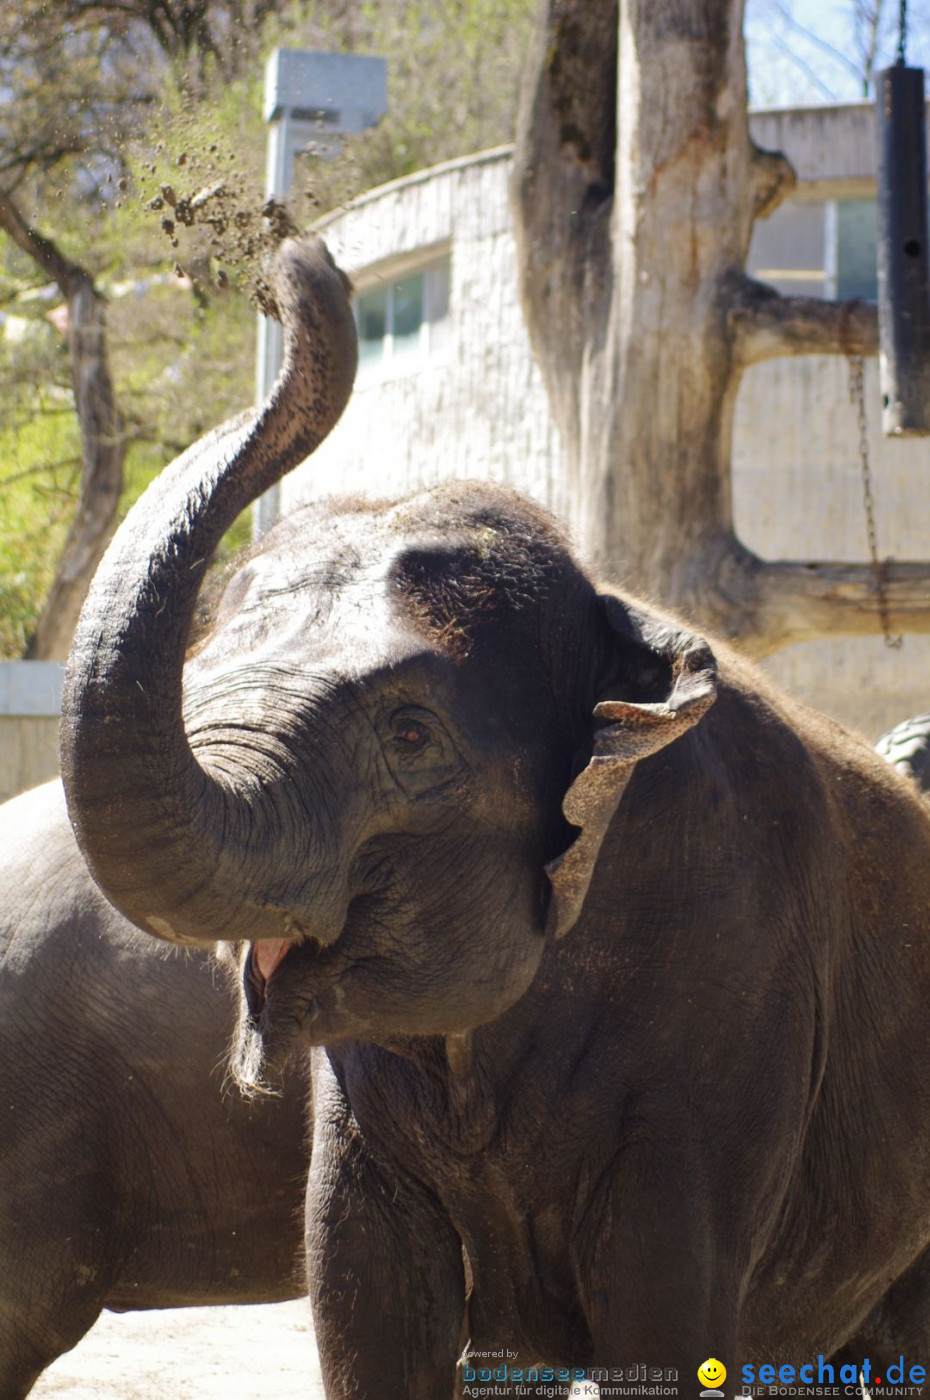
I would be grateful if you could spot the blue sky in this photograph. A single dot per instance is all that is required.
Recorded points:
(808, 51)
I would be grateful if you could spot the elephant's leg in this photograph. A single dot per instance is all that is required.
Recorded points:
(57, 1206)
(653, 1289)
(897, 1328)
(34, 1333)
(52, 1287)
(386, 1275)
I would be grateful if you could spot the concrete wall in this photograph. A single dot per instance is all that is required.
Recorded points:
(832, 148)
(798, 495)
(478, 407)
(30, 699)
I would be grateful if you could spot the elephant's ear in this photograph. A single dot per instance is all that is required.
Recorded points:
(677, 671)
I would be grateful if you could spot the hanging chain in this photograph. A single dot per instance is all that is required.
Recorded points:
(902, 33)
(879, 566)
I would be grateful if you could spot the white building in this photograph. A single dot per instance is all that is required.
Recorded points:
(447, 385)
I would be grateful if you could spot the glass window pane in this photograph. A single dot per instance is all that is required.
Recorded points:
(437, 292)
(371, 315)
(787, 250)
(856, 249)
(408, 313)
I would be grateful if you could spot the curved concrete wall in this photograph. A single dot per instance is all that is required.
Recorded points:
(477, 408)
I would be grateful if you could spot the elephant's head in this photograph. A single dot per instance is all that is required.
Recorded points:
(396, 721)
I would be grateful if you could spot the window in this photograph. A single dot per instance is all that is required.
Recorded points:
(819, 248)
(788, 249)
(856, 250)
(403, 318)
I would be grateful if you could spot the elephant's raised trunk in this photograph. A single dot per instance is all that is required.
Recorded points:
(165, 839)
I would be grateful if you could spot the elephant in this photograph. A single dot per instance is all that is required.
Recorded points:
(613, 961)
(128, 1177)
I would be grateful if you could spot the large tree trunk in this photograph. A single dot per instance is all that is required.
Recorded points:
(102, 442)
(636, 186)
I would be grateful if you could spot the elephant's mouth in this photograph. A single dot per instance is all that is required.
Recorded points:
(253, 1068)
(264, 958)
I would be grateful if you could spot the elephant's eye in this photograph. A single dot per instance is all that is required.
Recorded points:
(410, 736)
(409, 731)
(418, 750)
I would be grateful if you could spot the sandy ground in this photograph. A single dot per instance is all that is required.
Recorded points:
(237, 1353)
(241, 1353)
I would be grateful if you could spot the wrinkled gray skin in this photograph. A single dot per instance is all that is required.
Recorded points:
(128, 1177)
(616, 961)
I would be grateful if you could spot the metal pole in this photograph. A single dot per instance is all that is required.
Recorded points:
(270, 350)
(310, 99)
(903, 281)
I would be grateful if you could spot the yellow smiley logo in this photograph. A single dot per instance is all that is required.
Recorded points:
(712, 1373)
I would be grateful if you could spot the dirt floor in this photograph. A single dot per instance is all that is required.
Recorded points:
(240, 1353)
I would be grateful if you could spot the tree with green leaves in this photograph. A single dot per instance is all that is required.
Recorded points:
(150, 156)
(107, 65)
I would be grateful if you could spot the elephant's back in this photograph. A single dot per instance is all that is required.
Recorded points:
(44, 882)
(59, 938)
(77, 982)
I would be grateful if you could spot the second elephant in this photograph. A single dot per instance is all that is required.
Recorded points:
(128, 1177)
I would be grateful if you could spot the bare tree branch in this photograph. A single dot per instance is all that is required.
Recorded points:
(868, 19)
(801, 63)
(40, 469)
(793, 601)
(773, 180)
(818, 42)
(102, 441)
(765, 325)
(51, 260)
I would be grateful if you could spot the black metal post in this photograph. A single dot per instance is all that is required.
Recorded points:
(903, 281)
